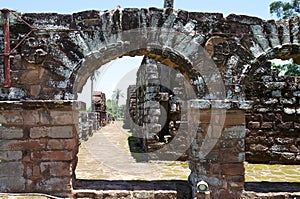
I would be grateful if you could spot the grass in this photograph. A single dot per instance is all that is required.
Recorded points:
(272, 173)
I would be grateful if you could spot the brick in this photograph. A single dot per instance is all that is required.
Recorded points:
(54, 185)
(61, 132)
(31, 117)
(11, 169)
(258, 148)
(164, 194)
(39, 132)
(62, 117)
(235, 132)
(60, 144)
(45, 117)
(253, 125)
(267, 125)
(56, 169)
(233, 169)
(52, 155)
(232, 155)
(12, 184)
(8, 133)
(12, 117)
(52, 132)
(143, 194)
(233, 118)
(6, 156)
(36, 171)
(26, 145)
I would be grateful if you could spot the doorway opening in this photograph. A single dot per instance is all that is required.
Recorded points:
(114, 157)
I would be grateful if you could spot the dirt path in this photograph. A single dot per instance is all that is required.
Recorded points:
(107, 156)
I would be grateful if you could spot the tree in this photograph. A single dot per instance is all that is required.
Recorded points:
(289, 69)
(116, 96)
(111, 106)
(284, 10)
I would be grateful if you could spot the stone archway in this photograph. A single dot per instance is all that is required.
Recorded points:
(61, 51)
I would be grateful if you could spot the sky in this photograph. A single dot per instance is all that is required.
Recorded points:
(120, 73)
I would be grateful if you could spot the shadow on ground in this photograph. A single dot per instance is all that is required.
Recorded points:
(136, 150)
(182, 187)
(265, 187)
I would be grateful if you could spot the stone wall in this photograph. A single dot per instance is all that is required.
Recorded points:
(130, 112)
(38, 147)
(274, 120)
(88, 124)
(60, 52)
(158, 115)
(99, 106)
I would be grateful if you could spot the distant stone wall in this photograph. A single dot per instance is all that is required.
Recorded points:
(130, 111)
(88, 124)
(274, 120)
(155, 107)
(99, 107)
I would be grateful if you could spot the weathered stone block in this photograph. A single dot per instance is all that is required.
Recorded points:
(11, 169)
(31, 117)
(236, 132)
(57, 169)
(143, 194)
(11, 117)
(6, 156)
(233, 169)
(22, 145)
(8, 133)
(267, 125)
(61, 144)
(63, 117)
(12, 184)
(52, 132)
(165, 194)
(62, 185)
(254, 125)
(52, 155)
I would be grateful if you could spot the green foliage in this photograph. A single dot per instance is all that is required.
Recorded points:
(117, 94)
(115, 110)
(284, 10)
(289, 69)
(89, 109)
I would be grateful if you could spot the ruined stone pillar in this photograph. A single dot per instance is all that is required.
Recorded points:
(38, 146)
(217, 153)
(169, 4)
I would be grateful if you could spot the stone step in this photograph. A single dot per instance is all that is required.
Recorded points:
(132, 189)
(126, 194)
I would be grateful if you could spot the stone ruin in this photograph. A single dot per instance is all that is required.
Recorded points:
(154, 108)
(99, 107)
(89, 122)
(46, 58)
(272, 122)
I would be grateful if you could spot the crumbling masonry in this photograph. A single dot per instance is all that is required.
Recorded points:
(272, 122)
(47, 58)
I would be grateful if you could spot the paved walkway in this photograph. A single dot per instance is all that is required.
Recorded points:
(107, 156)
